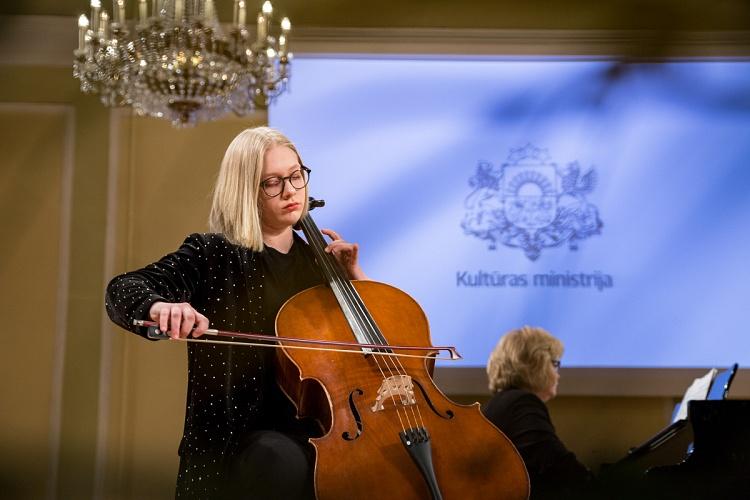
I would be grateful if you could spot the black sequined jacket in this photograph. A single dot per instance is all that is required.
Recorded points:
(231, 390)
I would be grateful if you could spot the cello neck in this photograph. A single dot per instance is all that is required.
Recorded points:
(351, 304)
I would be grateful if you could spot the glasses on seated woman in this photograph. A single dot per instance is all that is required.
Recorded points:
(274, 186)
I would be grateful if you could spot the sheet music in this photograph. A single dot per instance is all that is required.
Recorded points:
(698, 390)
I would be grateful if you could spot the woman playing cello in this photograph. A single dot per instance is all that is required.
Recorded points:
(237, 421)
(383, 428)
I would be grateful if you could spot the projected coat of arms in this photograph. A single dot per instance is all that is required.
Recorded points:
(530, 203)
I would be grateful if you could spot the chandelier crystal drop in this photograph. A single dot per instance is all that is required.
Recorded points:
(176, 62)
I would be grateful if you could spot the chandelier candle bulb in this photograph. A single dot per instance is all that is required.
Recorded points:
(177, 10)
(96, 6)
(83, 26)
(87, 43)
(118, 11)
(286, 25)
(267, 11)
(262, 32)
(142, 11)
(236, 14)
(242, 15)
(104, 25)
(208, 10)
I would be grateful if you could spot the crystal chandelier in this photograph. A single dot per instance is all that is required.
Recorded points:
(177, 63)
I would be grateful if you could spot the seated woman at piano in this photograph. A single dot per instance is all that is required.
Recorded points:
(523, 375)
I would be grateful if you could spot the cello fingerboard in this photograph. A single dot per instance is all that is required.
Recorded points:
(359, 318)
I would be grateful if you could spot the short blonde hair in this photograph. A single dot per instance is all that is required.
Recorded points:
(235, 211)
(523, 359)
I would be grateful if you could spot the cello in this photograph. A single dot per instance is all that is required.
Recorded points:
(388, 429)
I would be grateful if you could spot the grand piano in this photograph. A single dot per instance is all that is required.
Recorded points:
(706, 456)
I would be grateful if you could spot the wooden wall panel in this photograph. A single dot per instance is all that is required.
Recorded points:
(34, 201)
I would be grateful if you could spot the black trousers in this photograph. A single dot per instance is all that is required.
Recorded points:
(269, 465)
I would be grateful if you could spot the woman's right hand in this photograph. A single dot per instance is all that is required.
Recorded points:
(178, 320)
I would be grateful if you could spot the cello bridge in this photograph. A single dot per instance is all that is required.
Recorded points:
(400, 388)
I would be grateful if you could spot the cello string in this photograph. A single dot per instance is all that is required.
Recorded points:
(369, 323)
(373, 331)
(333, 274)
(368, 327)
(334, 277)
(365, 320)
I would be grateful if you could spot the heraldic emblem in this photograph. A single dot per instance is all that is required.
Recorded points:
(530, 203)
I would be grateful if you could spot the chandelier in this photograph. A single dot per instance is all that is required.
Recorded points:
(177, 62)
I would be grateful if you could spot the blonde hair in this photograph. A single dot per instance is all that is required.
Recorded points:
(235, 211)
(523, 359)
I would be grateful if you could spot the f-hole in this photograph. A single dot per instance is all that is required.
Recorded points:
(355, 413)
(448, 413)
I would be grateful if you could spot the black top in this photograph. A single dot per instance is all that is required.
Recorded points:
(231, 390)
(284, 276)
(554, 471)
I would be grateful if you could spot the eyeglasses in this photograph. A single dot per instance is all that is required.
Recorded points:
(274, 186)
(556, 364)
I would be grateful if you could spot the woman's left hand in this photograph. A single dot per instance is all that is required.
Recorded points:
(346, 254)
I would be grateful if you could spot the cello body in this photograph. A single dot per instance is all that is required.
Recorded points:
(364, 407)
